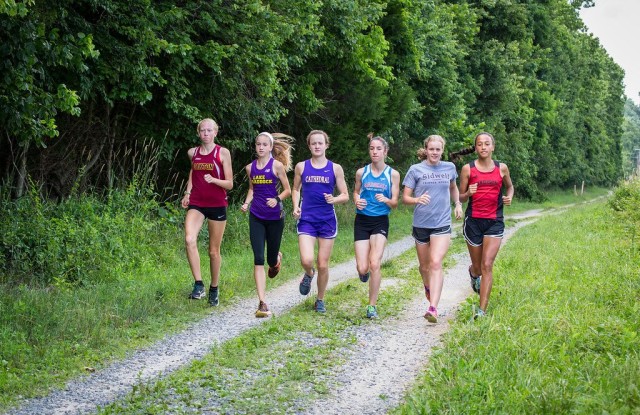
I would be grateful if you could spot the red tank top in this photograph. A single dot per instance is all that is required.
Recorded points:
(486, 203)
(205, 194)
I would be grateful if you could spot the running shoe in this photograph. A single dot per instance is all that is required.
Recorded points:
(213, 297)
(479, 313)
(431, 315)
(198, 292)
(263, 310)
(364, 277)
(427, 293)
(475, 282)
(273, 271)
(319, 307)
(305, 282)
(372, 312)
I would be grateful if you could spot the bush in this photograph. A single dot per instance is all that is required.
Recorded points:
(81, 240)
(626, 200)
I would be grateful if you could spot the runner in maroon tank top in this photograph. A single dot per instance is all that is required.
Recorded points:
(206, 198)
(482, 182)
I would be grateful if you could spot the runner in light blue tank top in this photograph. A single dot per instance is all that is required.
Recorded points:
(314, 183)
(376, 192)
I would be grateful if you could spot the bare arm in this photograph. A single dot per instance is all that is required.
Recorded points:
(506, 181)
(395, 191)
(227, 183)
(357, 187)
(295, 191)
(284, 181)
(455, 197)
(341, 184)
(466, 191)
(187, 192)
(249, 198)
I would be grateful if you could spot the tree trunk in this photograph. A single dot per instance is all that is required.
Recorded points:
(21, 182)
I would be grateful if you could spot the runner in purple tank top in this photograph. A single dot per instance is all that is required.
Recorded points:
(314, 181)
(267, 175)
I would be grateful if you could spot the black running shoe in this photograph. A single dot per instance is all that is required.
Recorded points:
(213, 297)
(365, 277)
(198, 292)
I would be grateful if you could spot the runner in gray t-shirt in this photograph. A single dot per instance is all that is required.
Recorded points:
(430, 185)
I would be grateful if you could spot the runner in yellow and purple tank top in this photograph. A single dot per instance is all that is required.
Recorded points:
(268, 186)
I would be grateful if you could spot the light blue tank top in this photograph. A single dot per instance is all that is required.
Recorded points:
(371, 185)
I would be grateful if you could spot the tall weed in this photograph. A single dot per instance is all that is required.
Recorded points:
(78, 241)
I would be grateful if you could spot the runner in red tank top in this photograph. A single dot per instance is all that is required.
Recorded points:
(206, 198)
(482, 182)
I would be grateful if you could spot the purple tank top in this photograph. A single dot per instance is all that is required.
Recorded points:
(265, 185)
(315, 183)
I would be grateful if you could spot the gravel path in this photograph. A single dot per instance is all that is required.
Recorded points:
(397, 348)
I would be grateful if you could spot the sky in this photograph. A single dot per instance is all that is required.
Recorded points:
(615, 23)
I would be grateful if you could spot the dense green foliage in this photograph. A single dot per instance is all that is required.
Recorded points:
(631, 138)
(562, 331)
(85, 83)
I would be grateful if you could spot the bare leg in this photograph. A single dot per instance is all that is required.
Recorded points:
(491, 247)
(261, 283)
(216, 230)
(423, 251)
(439, 247)
(192, 225)
(378, 242)
(325, 246)
(362, 249)
(307, 246)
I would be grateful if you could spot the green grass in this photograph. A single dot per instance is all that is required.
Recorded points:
(52, 334)
(49, 335)
(562, 331)
(555, 199)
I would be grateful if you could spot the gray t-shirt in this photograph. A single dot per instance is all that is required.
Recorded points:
(435, 180)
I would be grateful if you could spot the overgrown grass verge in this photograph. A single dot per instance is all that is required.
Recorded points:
(562, 330)
(52, 332)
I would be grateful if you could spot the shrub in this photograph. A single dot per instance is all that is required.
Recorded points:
(80, 240)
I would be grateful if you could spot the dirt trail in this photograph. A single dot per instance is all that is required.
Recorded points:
(397, 348)
(391, 355)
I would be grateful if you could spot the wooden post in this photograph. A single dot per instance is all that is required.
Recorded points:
(582, 190)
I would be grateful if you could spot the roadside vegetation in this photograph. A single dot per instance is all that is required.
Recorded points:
(59, 321)
(84, 281)
(562, 332)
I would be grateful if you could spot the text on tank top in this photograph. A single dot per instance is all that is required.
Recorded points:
(372, 185)
(205, 194)
(486, 203)
(315, 183)
(265, 186)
